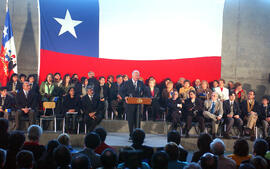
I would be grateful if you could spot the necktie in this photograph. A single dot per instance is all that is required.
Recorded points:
(135, 85)
(26, 94)
(213, 108)
(231, 107)
(3, 101)
(31, 86)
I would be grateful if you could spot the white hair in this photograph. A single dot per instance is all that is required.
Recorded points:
(135, 71)
(34, 132)
(217, 147)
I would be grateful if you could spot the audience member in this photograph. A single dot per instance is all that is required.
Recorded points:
(167, 93)
(64, 139)
(115, 98)
(102, 90)
(213, 111)
(15, 143)
(34, 133)
(240, 152)
(138, 137)
(25, 160)
(92, 79)
(214, 85)
(4, 134)
(204, 92)
(249, 111)
(231, 86)
(102, 134)
(91, 142)
(6, 104)
(62, 157)
(260, 147)
(152, 91)
(203, 144)
(81, 88)
(46, 88)
(108, 159)
(80, 161)
(180, 83)
(193, 110)
(175, 136)
(3, 155)
(75, 79)
(13, 85)
(223, 92)
(209, 161)
(66, 84)
(125, 78)
(246, 166)
(110, 81)
(33, 85)
(193, 166)
(218, 148)
(173, 152)
(47, 160)
(241, 94)
(232, 114)
(197, 84)
(160, 160)
(22, 78)
(259, 162)
(57, 79)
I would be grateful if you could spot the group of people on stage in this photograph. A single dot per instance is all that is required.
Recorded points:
(90, 98)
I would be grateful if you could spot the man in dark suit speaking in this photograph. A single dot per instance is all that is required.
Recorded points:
(132, 88)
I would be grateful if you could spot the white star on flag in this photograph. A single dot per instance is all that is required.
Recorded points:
(5, 31)
(68, 24)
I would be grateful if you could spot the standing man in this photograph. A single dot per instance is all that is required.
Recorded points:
(132, 88)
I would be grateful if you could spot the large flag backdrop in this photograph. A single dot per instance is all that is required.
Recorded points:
(160, 38)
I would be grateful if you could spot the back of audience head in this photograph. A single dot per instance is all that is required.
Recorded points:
(204, 142)
(108, 159)
(34, 132)
(3, 156)
(217, 147)
(267, 139)
(138, 136)
(174, 136)
(64, 139)
(160, 160)
(51, 146)
(92, 140)
(25, 159)
(246, 166)
(172, 150)
(193, 166)
(16, 140)
(80, 161)
(62, 156)
(260, 147)
(122, 154)
(3, 126)
(102, 133)
(209, 161)
(241, 147)
(259, 162)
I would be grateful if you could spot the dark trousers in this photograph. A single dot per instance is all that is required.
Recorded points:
(198, 118)
(71, 122)
(154, 109)
(131, 111)
(117, 107)
(19, 114)
(176, 119)
(233, 121)
(92, 123)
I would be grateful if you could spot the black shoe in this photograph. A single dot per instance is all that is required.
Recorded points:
(227, 136)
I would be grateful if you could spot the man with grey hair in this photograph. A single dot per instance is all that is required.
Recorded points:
(213, 110)
(132, 88)
(26, 102)
(34, 133)
(92, 79)
(218, 148)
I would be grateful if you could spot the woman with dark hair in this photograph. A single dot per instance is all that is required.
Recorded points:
(240, 151)
(214, 85)
(47, 88)
(71, 109)
(110, 80)
(14, 84)
(175, 106)
(81, 88)
(184, 91)
(204, 92)
(203, 144)
(33, 84)
(66, 84)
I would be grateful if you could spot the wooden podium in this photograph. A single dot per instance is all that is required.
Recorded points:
(139, 101)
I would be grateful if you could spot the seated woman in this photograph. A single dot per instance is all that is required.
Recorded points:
(14, 85)
(193, 110)
(46, 89)
(153, 92)
(81, 88)
(215, 84)
(71, 109)
(184, 91)
(204, 92)
(167, 93)
(175, 106)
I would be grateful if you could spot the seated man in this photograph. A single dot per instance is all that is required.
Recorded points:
(92, 108)
(213, 109)
(115, 98)
(231, 111)
(264, 115)
(6, 103)
(175, 106)
(249, 112)
(193, 110)
(26, 104)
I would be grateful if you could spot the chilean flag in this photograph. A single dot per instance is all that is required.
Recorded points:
(160, 38)
(8, 59)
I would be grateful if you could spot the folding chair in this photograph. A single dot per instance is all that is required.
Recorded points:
(46, 106)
